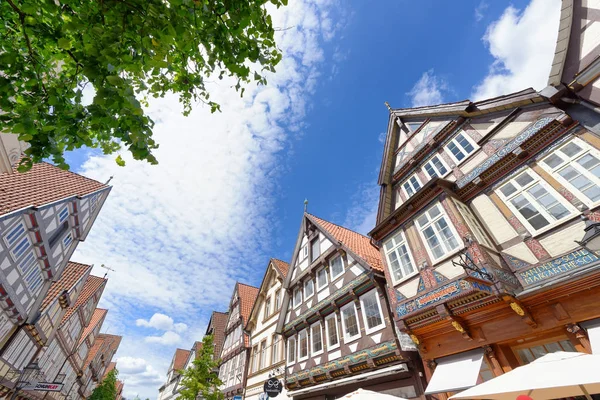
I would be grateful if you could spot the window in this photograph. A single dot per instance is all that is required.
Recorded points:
(68, 239)
(535, 203)
(275, 349)
(63, 215)
(412, 185)
(277, 299)
(316, 338)
(321, 278)
(31, 272)
(439, 236)
(399, 258)
(474, 224)
(303, 252)
(267, 307)
(18, 240)
(530, 354)
(263, 354)
(336, 266)
(413, 126)
(58, 234)
(297, 297)
(331, 330)
(397, 197)
(315, 249)
(371, 311)
(435, 167)
(577, 165)
(309, 288)
(303, 345)
(350, 323)
(460, 147)
(93, 202)
(255, 357)
(291, 344)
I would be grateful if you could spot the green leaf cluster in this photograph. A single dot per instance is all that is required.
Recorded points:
(127, 50)
(107, 390)
(201, 379)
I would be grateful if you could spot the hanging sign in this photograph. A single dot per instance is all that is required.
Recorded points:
(44, 387)
(273, 387)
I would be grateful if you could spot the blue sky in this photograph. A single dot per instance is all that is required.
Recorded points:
(228, 192)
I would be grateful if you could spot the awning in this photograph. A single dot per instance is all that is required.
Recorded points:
(456, 372)
(593, 330)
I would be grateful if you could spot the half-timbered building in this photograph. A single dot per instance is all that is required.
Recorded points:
(484, 212)
(336, 322)
(236, 347)
(44, 214)
(96, 363)
(167, 391)
(267, 357)
(216, 328)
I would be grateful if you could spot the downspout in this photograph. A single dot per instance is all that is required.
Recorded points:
(584, 103)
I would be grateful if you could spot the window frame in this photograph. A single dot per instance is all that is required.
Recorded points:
(430, 161)
(315, 240)
(267, 307)
(337, 331)
(289, 360)
(455, 142)
(263, 355)
(19, 239)
(324, 270)
(411, 185)
(297, 289)
(431, 222)
(300, 334)
(334, 278)
(537, 179)
(277, 299)
(59, 214)
(304, 284)
(255, 360)
(275, 349)
(572, 161)
(358, 335)
(312, 339)
(395, 248)
(364, 314)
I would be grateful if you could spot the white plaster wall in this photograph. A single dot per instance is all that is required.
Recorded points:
(511, 130)
(473, 162)
(489, 214)
(521, 251)
(563, 241)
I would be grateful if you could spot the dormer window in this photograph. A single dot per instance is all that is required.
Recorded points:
(412, 185)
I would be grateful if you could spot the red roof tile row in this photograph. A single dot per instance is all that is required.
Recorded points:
(93, 284)
(69, 277)
(97, 318)
(282, 266)
(247, 296)
(44, 183)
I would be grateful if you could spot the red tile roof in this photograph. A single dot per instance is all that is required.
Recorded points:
(97, 318)
(197, 349)
(104, 344)
(247, 296)
(69, 277)
(92, 285)
(110, 367)
(119, 390)
(216, 327)
(44, 183)
(282, 266)
(181, 356)
(357, 243)
(96, 347)
(113, 342)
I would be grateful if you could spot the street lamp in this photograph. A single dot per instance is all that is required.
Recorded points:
(29, 376)
(591, 239)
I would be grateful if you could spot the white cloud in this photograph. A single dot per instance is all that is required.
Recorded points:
(428, 90)
(136, 372)
(161, 322)
(480, 9)
(522, 43)
(181, 233)
(168, 338)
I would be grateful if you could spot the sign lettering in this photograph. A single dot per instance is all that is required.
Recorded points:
(561, 265)
(44, 387)
(273, 387)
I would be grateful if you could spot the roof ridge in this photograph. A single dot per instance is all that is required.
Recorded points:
(245, 284)
(279, 259)
(339, 226)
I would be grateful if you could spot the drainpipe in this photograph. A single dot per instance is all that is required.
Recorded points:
(582, 102)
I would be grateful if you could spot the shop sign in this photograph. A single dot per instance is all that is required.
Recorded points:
(273, 387)
(558, 266)
(44, 387)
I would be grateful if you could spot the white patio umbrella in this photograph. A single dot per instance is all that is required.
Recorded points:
(553, 376)
(362, 394)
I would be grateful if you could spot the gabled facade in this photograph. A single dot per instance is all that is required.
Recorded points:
(267, 356)
(480, 212)
(180, 358)
(194, 353)
(236, 347)
(336, 322)
(29, 340)
(216, 328)
(97, 361)
(44, 214)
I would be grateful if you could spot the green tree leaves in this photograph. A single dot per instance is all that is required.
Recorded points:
(201, 378)
(126, 50)
(107, 390)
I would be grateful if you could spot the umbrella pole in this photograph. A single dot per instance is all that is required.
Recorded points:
(585, 392)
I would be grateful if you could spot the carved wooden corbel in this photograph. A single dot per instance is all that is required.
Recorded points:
(456, 322)
(520, 310)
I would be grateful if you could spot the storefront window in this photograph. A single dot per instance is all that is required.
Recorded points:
(530, 354)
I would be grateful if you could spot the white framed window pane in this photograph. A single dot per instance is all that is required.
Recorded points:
(350, 322)
(529, 212)
(409, 190)
(548, 201)
(291, 349)
(309, 288)
(464, 143)
(372, 313)
(321, 278)
(315, 247)
(337, 267)
(332, 332)
(303, 344)
(439, 166)
(448, 238)
(297, 297)
(458, 154)
(316, 337)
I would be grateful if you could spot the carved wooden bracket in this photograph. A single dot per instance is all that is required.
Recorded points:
(520, 310)
(456, 322)
(576, 330)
